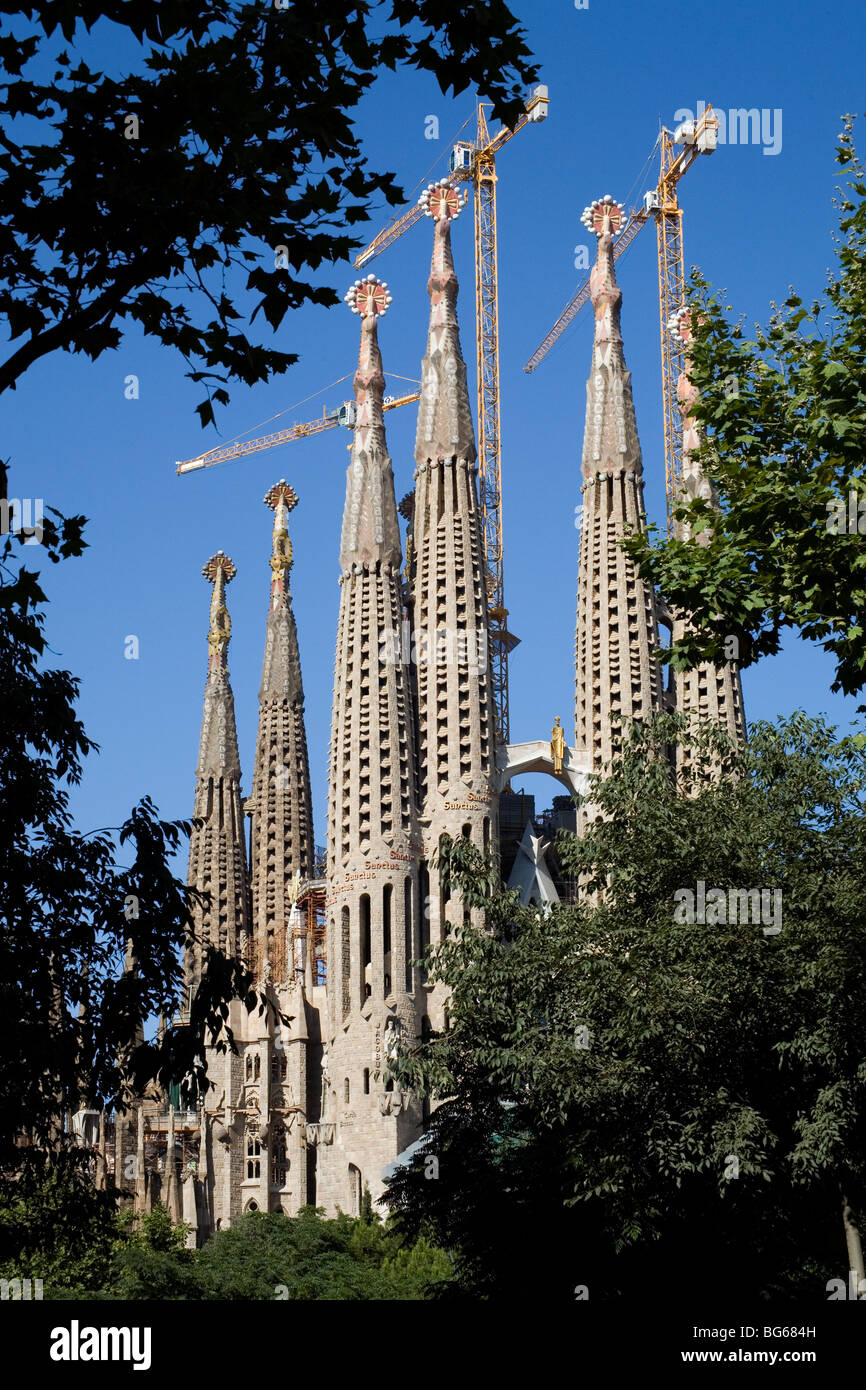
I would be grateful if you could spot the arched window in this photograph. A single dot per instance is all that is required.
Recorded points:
(257, 1067)
(279, 1065)
(366, 1081)
(355, 1190)
(254, 1151)
(346, 1090)
(248, 1067)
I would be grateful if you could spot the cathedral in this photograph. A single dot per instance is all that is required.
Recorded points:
(306, 1112)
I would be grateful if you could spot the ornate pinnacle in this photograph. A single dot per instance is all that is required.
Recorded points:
(604, 218)
(370, 298)
(442, 202)
(219, 571)
(605, 215)
(281, 499)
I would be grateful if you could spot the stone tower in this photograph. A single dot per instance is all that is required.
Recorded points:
(253, 1152)
(280, 806)
(707, 693)
(372, 897)
(218, 867)
(617, 616)
(217, 851)
(455, 714)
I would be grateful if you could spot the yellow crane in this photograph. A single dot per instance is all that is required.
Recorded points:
(475, 163)
(329, 419)
(679, 150)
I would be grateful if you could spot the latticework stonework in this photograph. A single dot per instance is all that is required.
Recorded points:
(372, 897)
(449, 620)
(616, 673)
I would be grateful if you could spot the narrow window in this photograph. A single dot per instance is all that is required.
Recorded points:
(387, 894)
(346, 953)
(279, 1157)
(366, 1081)
(366, 948)
(407, 932)
(355, 1190)
(424, 894)
(346, 1090)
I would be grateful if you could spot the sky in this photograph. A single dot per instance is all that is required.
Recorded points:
(758, 219)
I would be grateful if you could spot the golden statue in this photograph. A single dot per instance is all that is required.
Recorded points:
(557, 745)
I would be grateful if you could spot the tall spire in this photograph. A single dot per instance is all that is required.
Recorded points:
(617, 619)
(444, 417)
(455, 711)
(371, 533)
(217, 858)
(372, 891)
(707, 693)
(280, 804)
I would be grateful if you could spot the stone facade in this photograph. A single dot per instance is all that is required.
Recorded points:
(306, 1111)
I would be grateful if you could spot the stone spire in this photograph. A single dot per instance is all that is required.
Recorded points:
(372, 890)
(455, 711)
(280, 805)
(444, 417)
(707, 693)
(217, 857)
(617, 618)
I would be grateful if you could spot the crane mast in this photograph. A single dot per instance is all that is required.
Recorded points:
(697, 138)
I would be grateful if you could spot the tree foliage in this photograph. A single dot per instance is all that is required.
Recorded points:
(261, 1257)
(784, 419)
(221, 156)
(628, 1099)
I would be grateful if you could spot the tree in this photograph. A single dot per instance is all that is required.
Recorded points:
(271, 1256)
(637, 1099)
(784, 417)
(227, 152)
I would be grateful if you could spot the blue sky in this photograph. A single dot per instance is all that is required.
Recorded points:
(755, 222)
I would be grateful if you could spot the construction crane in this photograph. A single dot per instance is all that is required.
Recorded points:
(475, 163)
(345, 416)
(678, 153)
